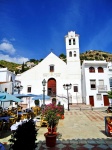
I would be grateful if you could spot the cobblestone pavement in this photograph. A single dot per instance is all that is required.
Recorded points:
(79, 130)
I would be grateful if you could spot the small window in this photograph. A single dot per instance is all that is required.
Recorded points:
(5, 89)
(70, 54)
(99, 97)
(74, 53)
(73, 41)
(93, 84)
(75, 88)
(29, 89)
(110, 81)
(100, 69)
(52, 68)
(91, 69)
(69, 41)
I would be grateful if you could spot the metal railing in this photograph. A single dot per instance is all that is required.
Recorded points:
(102, 88)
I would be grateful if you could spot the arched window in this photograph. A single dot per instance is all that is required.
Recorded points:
(91, 69)
(73, 41)
(69, 41)
(74, 53)
(100, 69)
(70, 54)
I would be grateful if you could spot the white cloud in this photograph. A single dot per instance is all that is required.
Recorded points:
(7, 47)
(18, 60)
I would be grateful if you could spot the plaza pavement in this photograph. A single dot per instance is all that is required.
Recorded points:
(80, 130)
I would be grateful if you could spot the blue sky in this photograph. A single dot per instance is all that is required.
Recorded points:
(33, 28)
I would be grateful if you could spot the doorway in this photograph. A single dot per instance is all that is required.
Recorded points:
(51, 85)
(106, 100)
(91, 100)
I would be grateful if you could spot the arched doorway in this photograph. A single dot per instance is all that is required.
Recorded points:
(51, 85)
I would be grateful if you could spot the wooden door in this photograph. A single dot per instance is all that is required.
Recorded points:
(91, 100)
(52, 87)
(106, 100)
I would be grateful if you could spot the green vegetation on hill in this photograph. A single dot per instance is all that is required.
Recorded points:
(10, 65)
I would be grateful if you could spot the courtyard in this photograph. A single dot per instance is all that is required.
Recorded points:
(80, 129)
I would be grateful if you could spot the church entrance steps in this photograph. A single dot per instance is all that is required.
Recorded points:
(80, 107)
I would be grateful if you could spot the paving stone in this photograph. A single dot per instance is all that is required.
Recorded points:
(89, 146)
(100, 141)
(91, 141)
(103, 146)
(60, 146)
(65, 141)
(75, 146)
(74, 141)
(82, 141)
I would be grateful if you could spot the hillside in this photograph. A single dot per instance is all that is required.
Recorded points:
(10, 65)
(96, 55)
(88, 55)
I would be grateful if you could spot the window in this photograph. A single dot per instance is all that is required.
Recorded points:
(74, 53)
(100, 69)
(99, 97)
(70, 54)
(51, 68)
(73, 41)
(5, 89)
(29, 89)
(69, 41)
(75, 88)
(101, 82)
(93, 84)
(110, 81)
(91, 69)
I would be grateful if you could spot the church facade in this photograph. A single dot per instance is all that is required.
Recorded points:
(57, 73)
(89, 82)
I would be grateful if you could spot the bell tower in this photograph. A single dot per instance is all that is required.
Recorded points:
(73, 65)
(72, 47)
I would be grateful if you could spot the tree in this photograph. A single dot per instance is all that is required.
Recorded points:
(23, 68)
(24, 137)
(62, 56)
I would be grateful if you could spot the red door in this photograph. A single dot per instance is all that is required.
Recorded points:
(52, 87)
(91, 100)
(106, 100)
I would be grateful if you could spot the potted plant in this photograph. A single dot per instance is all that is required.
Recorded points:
(110, 96)
(50, 113)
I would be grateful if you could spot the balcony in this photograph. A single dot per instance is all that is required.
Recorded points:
(102, 88)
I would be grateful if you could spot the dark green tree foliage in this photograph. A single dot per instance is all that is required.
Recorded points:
(22, 69)
(36, 102)
(25, 137)
(62, 56)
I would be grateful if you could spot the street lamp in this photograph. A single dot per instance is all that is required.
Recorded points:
(67, 87)
(18, 87)
(44, 84)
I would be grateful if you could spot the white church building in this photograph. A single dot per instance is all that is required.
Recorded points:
(56, 73)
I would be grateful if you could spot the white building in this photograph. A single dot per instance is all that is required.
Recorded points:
(56, 73)
(95, 83)
(7, 79)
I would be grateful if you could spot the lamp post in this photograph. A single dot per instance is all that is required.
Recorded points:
(44, 84)
(67, 87)
(18, 87)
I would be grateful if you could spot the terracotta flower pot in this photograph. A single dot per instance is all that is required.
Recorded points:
(50, 139)
(62, 116)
